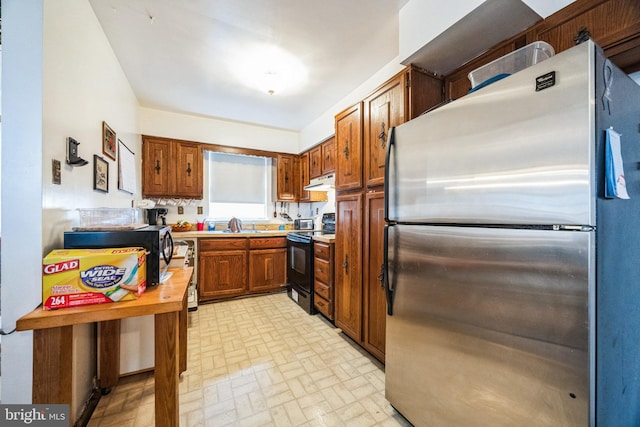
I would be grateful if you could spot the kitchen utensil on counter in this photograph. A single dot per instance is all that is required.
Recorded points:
(235, 225)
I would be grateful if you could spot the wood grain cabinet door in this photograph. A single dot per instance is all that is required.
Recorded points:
(328, 156)
(189, 165)
(348, 265)
(375, 304)
(267, 269)
(349, 148)
(287, 181)
(156, 172)
(383, 109)
(315, 162)
(304, 177)
(222, 274)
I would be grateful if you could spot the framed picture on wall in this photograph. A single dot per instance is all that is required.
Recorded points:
(100, 174)
(109, 143)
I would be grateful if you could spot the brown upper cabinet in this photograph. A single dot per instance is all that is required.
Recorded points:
(315, 162)
(613, 24)
(287, 186)
(305, 178)
(171, 168)
(349, 148)
(328, 155)
(404, 97)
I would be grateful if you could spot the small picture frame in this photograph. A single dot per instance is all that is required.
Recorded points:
(100, 174)
(109, 142)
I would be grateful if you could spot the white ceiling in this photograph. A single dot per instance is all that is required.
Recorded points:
(197, 56)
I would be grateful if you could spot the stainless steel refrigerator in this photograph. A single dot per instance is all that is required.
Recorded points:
(513, 284)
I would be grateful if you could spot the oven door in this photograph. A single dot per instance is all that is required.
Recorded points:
(300, 263)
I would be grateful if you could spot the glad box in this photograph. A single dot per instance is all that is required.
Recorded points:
(76, 277)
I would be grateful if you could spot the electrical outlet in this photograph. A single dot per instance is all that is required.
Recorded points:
(180, 210)
(57, 176)
(200, 211)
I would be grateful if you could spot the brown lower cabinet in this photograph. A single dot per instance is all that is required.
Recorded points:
(323, 285)
(375, 303)
(240, 266)
(348, 265)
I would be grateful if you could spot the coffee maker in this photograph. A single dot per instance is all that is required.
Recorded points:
(155, 213)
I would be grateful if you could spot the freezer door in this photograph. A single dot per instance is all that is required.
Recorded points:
(506, 154)
(490, 327)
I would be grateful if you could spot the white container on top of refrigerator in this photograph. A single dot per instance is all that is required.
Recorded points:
(503, 257)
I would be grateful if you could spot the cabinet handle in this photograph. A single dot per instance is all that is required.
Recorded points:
(346, 149)
(582, 36)
(157, 167)
(188, 168)
(382, 136)
(345, 264)
(286, 177)
(381, 276)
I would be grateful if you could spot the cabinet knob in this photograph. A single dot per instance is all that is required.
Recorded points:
(346, 149)
(157, 168)
(345, 264)
(188, 168)
(380, 276)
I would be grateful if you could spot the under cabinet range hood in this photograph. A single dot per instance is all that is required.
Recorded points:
(322, 183)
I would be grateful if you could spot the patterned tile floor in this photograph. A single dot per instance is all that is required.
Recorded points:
(262, 361)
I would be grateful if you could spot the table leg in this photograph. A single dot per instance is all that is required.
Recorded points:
(53, 366)
(166, 371)
(108, 354)
(183, 335)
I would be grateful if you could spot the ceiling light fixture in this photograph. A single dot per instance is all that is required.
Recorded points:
(269, 69)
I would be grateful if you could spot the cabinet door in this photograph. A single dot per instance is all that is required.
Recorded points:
(383, 109)
(222, 274)
(315, 162)
(286, 178)
(156, 169)
(189, 167)
(374, 296)
(349, 148)
(348, 267)
(304, 177)
(612, 24)
(425, 91)
(267, 269)
(328, 156)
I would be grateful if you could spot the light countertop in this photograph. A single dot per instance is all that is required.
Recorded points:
(224, 235)
(326, 238)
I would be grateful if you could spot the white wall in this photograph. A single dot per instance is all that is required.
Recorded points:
(82, 85)
(215, 131)
(21, 188)
(323, 127)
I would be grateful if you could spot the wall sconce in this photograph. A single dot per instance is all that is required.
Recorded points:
(72, 153)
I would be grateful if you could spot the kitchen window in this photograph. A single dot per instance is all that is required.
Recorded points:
(239, 186)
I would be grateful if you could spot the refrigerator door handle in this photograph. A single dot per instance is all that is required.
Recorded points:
(387, 164)
(385, 272)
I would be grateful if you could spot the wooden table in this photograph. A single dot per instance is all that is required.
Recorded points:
(53, 341)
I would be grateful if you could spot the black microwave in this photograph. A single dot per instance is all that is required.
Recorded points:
(156, 239)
